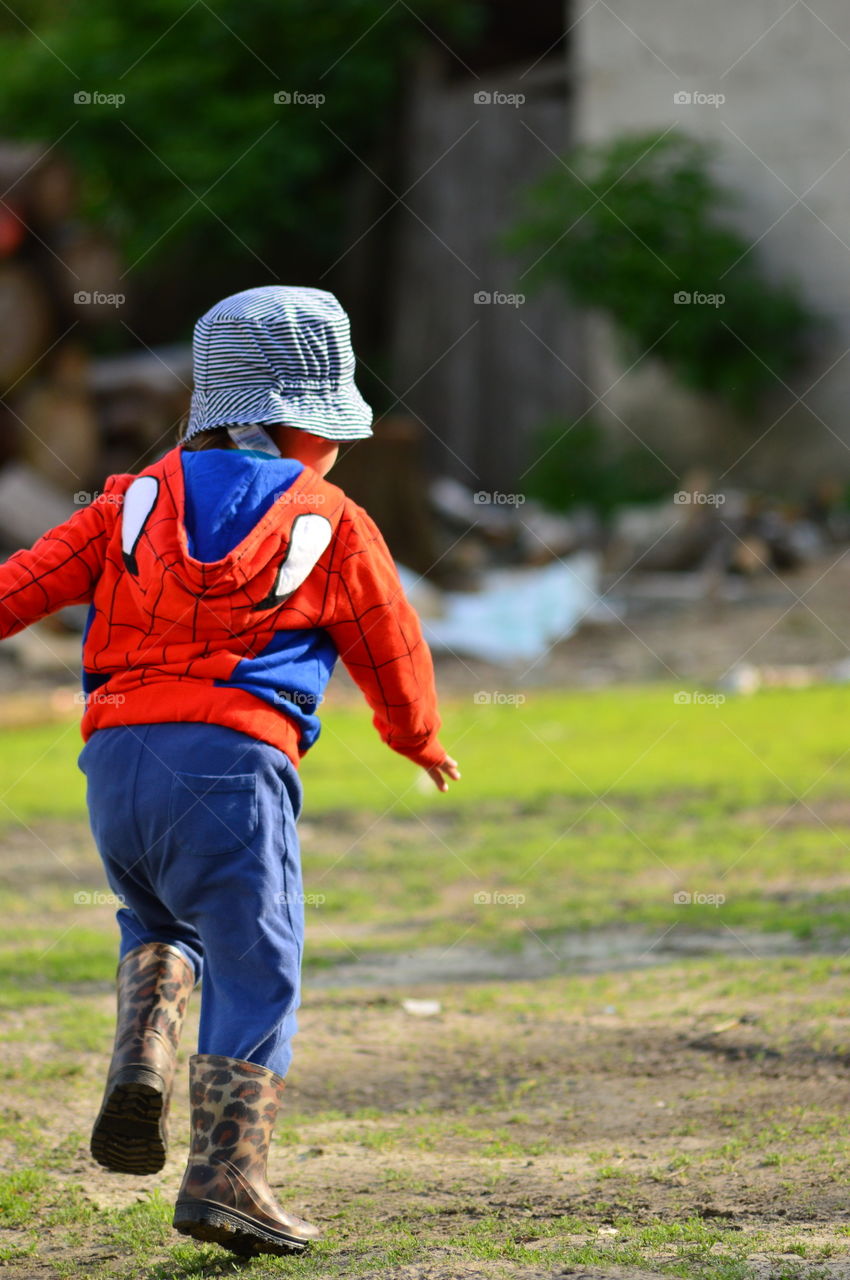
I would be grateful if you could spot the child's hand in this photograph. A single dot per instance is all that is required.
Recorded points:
(448, 767)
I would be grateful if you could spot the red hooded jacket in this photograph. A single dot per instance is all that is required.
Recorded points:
(173, 638)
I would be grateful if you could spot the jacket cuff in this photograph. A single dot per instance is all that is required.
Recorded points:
(434, 754)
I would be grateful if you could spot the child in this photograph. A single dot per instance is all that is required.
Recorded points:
(224, 581)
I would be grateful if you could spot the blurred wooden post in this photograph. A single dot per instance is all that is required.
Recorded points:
(387, 475)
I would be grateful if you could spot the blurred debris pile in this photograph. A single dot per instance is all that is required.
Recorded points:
(678, 545)
(708, 529)
(509, 578)
(482, 530)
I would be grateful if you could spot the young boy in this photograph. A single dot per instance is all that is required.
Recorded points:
(224, 581)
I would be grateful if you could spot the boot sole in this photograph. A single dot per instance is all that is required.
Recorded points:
(128, 1135)
(233, 1230)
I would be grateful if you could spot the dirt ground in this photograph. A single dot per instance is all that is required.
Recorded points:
(527, 1119)
(398, 1120)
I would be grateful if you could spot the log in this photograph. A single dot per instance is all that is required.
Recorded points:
(61, 434)
(140, 399)
(61, 437)
(38, 650)
(9, 434)
(26, 322)
(29, 505)
(38, 182)
(161, 370)
(12, 232)
(88, 277)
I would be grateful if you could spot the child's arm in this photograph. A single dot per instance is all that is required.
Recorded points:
(62, 568)
(379, 638)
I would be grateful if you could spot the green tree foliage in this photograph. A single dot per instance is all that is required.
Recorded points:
(627, 226)
(200, 164)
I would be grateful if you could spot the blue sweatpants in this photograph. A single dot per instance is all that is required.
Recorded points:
(195, 824)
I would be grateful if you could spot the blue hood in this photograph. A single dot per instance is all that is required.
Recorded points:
(227, 492)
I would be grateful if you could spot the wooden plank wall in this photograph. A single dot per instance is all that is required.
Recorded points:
(482, 378)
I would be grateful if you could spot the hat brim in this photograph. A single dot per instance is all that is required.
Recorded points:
(341, 415)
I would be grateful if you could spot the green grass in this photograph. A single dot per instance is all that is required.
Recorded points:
(624, 743)
(596, 808)
(576, 810)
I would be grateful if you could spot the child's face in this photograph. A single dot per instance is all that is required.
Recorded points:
(314, 451)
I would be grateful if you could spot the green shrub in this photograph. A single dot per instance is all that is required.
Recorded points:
(626, 226)
(576, 466)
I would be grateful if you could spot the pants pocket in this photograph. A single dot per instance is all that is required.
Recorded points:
(212, 815)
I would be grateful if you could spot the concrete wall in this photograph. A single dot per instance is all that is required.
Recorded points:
(784, 138)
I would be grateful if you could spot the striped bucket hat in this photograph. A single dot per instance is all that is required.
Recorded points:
(277, 355)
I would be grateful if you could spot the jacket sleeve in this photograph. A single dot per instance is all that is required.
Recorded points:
(379, 638)
(62, 567)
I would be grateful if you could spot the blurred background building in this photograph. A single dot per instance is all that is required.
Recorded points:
(782, 145)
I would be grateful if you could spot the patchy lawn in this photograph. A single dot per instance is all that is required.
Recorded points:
(673, 1107)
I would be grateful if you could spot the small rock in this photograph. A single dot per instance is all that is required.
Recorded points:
(422, 1008)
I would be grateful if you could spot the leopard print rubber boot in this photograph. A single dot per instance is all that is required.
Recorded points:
(130, 1134)
(225, 1196)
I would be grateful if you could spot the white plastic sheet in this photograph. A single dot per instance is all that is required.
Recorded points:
(516, 615)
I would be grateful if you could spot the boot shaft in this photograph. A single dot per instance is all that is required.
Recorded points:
(225, 1195)
(155, 981)
(234, 1108)
(130, 1134)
